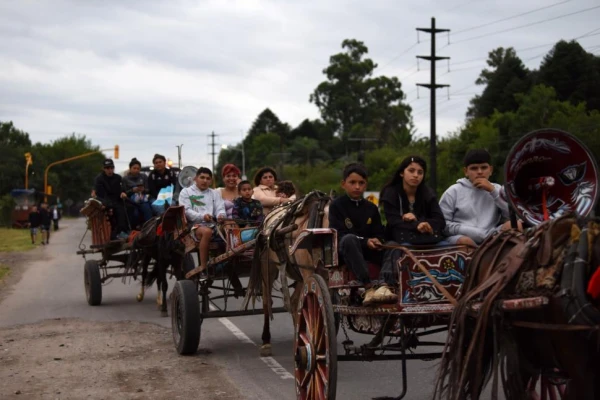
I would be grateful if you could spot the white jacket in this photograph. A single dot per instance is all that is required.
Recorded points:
(198, 203)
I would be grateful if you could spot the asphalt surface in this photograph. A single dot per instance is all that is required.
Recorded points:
(53, 288)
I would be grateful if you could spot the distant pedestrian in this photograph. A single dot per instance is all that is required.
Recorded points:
(46, 220)
(55, 217)
(35, 221)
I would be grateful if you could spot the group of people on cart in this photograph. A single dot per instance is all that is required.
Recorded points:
(466, 214)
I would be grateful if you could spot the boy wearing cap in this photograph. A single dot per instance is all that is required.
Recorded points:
(109, 190)
(474, 207)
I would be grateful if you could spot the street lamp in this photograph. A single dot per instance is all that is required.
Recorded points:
(226, 147)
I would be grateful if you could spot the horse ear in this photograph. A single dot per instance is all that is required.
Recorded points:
(549, 173)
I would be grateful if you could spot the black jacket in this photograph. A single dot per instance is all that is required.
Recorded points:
(45, 217)
(35, 219)
(426, 209)
(157, 181)
(108, 189)
(360, 218)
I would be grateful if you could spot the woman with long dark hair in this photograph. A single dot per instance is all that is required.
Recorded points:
(411, 208)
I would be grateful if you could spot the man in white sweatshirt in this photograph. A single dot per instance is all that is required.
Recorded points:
(203, 206)
(474, 207)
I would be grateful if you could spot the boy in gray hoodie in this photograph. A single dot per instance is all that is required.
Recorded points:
(474, 207)
(203, 206)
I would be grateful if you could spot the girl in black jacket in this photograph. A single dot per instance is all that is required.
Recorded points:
(410, 207)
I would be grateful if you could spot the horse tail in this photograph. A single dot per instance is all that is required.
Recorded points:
(255, 283)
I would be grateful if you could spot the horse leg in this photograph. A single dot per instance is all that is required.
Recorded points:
(294, 299)
(163, 308)
(145, 263)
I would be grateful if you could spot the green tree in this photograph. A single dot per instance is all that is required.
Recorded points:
(573, 73)
(506, 77)
(354, 103)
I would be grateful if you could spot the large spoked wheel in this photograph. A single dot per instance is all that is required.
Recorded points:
(315, 348)
(543, 386)
(186, 320)
(92, 282)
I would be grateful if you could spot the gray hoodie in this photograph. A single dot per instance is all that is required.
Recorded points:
(473, 212)
(198, 203)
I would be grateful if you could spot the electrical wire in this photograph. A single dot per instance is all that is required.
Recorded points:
(526, 25)
(511, 17)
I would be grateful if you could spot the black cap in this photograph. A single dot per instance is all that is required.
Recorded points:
(108, 163)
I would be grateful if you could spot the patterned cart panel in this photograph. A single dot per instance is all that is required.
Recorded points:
(446, 264)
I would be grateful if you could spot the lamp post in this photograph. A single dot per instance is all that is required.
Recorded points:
(226, 147)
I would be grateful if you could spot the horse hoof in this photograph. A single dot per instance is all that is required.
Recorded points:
(139, 297)
(265, 350)
(164, 313)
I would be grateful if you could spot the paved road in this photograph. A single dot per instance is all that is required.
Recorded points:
(53, 288)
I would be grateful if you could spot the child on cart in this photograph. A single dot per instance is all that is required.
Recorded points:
(360, 234)
(203, 206)
(246, 210)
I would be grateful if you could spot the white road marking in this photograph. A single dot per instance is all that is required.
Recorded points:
(272, 363)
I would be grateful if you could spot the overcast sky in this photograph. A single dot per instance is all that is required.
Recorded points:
(151, 75)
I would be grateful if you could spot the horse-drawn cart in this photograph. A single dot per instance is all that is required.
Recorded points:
(455, 290)
(131, 257)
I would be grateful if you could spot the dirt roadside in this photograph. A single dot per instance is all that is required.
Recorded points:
(78, 359)
(75, 359)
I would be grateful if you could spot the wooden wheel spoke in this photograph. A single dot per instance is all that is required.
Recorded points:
(304, 338)
(322, 371)
(305, 381)
(307, 321)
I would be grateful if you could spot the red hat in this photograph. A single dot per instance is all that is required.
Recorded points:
(230, 168)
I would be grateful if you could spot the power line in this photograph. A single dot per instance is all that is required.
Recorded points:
(511, 17)
(526, 25)
(400, 54)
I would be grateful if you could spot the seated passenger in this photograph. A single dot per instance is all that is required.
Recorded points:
(285, 189)
(474, 207)
(109, 190)
(245, 208)
(411, 209)
(136, 187)
(160, 177)
(360, 233)
(203, 206)
(264, 190)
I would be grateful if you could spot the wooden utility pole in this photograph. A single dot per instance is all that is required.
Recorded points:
(212, 145)
(361, 152)
(432, 86)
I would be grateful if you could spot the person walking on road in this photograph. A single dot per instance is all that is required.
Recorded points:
(55, 217)
(46, 220)
(34, 223)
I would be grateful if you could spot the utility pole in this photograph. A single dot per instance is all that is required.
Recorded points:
(361, 152)
(179, 155)
(212, 145)
(432, 86)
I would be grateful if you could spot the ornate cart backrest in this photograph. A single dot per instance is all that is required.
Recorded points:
(97, 221)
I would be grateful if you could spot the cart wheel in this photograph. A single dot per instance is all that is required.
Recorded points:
(542, 386)
(337, 318)
(92, 282)
(186, 320)
(315, 347)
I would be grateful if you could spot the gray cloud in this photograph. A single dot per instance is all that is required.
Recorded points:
(150, 75)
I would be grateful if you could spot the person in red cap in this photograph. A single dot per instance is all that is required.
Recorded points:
(231, 177)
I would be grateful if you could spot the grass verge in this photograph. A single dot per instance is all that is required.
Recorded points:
(16, 239)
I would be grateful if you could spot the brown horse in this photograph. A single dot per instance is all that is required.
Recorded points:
(558, 343)
(272, 259)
